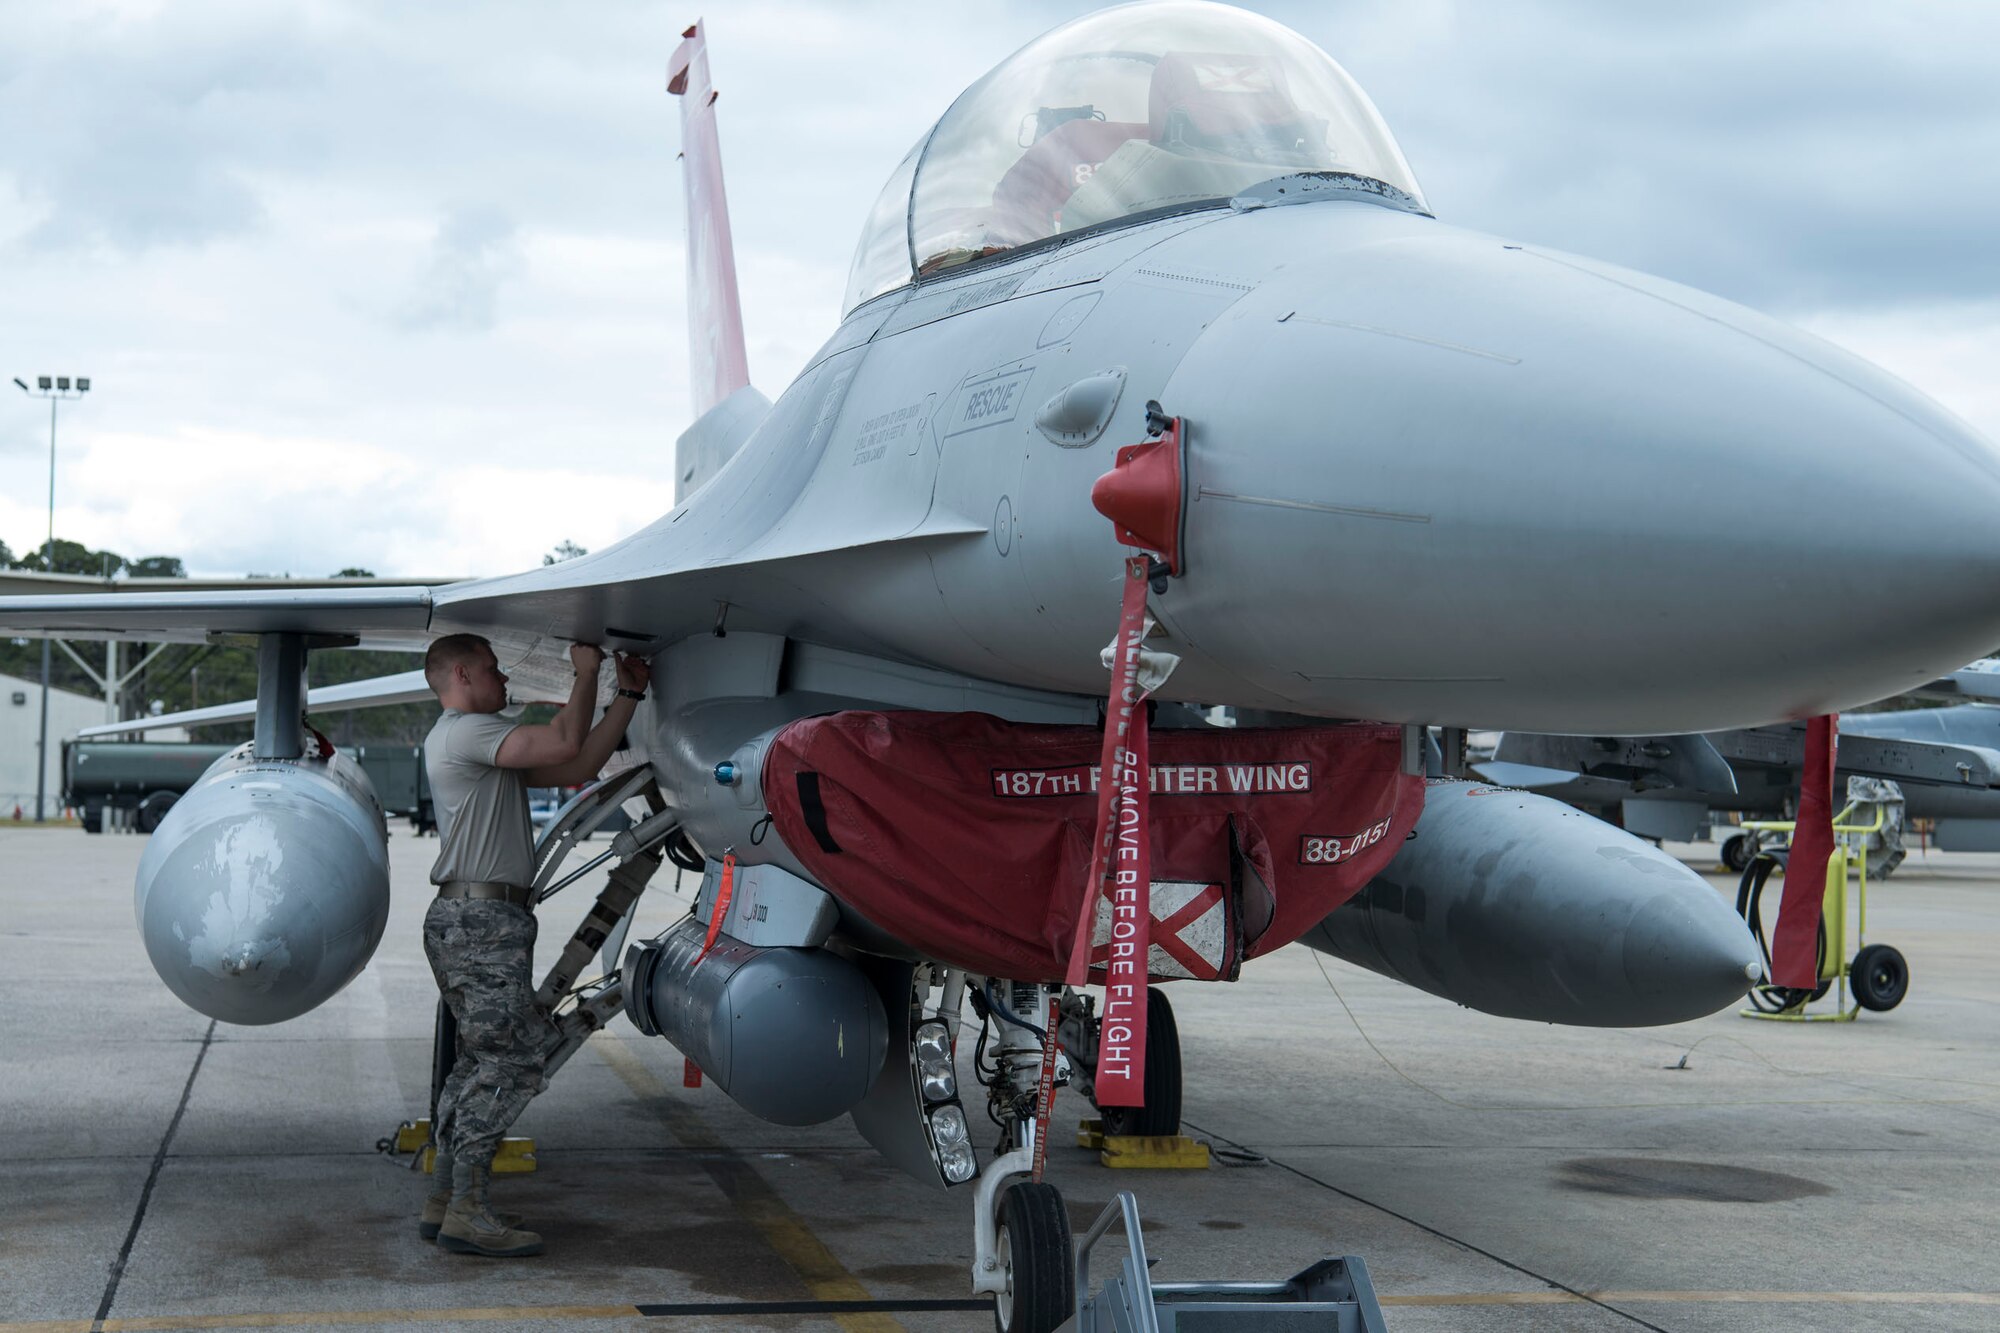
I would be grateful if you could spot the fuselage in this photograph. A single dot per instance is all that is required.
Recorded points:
(1434, 476)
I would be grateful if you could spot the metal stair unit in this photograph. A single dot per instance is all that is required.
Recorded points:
(1332, 1296)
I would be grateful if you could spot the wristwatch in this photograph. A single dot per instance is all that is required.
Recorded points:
(634, 695)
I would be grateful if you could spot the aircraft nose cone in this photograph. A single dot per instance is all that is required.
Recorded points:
(1913, 554)
(1851, 516)
(1870, 562)
(1463, 481)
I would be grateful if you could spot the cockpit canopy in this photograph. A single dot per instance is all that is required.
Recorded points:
(1120, 113)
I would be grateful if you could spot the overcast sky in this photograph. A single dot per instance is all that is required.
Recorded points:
(400, 286)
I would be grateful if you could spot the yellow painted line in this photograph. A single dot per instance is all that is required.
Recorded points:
(506, 1313)
(1694, 1298)
(1485, 1298)
(1803, 1297)
(782, 1229)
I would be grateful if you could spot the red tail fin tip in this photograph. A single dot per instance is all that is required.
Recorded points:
(715, 312)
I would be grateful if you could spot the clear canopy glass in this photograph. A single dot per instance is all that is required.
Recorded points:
(1130, 110)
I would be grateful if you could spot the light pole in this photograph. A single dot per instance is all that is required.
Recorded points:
(55, 389)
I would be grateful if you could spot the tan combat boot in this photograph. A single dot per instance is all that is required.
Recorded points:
(438, 1201)
(439, 1198)
(470, 1226)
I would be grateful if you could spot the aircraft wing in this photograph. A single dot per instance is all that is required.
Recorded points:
(1782, 746)
(1635, 762)
(403, 688)
(734, 552)
(1975, 681)
(385, 618)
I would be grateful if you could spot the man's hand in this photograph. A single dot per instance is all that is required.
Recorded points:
(587, 658)
(633, 673)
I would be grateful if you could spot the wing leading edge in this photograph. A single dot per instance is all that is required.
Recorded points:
(389, 618)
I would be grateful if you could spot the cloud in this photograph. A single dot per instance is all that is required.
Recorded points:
(149, 130)
(332, 503)
(1788, 155)
(477, 250)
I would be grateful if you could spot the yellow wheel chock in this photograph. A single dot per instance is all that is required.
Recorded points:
(516, 1155)
(1153, 1152)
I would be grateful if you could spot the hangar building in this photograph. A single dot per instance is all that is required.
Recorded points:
(20, 729)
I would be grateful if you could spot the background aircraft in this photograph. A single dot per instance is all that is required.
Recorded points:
(1945, 763)
(1976, 680)
(1400, 472)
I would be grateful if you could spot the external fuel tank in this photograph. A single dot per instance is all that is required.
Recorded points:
(266, 888)
(1521, 906)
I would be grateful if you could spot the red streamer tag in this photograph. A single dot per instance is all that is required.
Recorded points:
(1120, 864)
(1795, 942)
(1045, 1095)
(721, 907)
(690, 1073)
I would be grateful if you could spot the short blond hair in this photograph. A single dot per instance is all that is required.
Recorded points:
(450, 651)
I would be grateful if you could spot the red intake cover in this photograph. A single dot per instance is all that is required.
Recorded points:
(968, 838)
(1142, 495)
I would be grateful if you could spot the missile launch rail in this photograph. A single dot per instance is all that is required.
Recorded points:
(1332, 1296)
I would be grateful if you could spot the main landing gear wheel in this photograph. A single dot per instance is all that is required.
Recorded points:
(1041, 1265)
(1736, 854)
(1879, 978)
(1161, 1115)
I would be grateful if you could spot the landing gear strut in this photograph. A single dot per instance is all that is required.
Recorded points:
(1021, 1240)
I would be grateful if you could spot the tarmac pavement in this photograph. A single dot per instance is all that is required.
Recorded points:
(162, 1172)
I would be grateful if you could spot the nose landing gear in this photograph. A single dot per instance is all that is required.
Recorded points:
(1038, 1266)
(1021, 1239)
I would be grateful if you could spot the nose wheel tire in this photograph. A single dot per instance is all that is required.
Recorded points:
(1879, 978)
(1041, 1265)
(1161, 1115)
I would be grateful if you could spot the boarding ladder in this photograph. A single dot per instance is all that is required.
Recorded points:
(1332, 1296)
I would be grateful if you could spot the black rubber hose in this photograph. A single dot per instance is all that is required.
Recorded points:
(1750, 906)
(682, 853)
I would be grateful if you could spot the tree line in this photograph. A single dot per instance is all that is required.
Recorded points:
(188, 676)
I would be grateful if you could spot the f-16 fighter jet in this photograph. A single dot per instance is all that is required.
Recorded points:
(1160, 282)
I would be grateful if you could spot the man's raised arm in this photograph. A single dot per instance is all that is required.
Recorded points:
(561, 739)
(633, 675)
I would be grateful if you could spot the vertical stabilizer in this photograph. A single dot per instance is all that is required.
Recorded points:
(715, 314)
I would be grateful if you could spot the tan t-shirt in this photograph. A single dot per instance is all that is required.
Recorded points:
(484, 832)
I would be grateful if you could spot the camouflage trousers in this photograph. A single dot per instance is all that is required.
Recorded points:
(483, 954)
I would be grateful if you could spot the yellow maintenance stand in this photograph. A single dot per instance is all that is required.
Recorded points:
(1875, 975)
(516, 1155)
